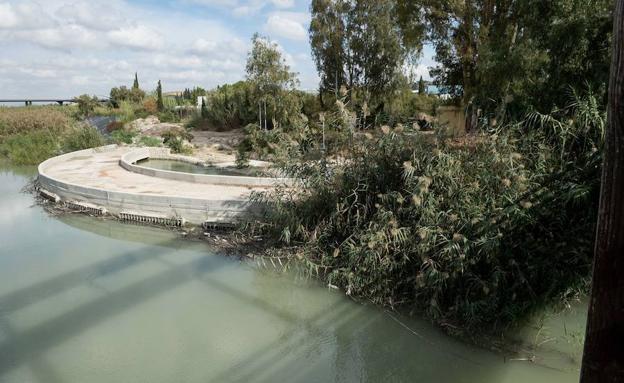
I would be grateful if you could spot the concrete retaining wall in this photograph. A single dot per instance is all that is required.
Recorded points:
(192, 210)
(128, 161)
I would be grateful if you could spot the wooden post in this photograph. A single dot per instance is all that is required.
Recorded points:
(603, 356)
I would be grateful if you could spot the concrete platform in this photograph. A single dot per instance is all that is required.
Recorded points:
(94, 176)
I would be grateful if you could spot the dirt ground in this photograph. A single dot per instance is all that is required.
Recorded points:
(209, 146)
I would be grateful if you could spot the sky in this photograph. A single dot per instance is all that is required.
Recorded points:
(64, 48)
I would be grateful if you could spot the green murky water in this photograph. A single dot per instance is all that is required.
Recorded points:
(185, 167)
(90, 300)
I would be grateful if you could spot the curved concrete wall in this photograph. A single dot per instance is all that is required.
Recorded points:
(193, 210)
(128, 161)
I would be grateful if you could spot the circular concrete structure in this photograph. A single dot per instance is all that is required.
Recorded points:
(130, 159)
(96, 181)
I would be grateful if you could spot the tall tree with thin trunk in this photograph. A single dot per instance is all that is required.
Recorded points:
(603, 357)
(159, 101)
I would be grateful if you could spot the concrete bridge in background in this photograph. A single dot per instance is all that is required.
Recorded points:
(29, 102)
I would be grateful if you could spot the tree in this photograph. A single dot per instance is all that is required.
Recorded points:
(136, 81)
(603, 357)
(159, 97)
(421, 86)
(507, 57)
(273, 82)
(86, 104)
(120, 94)
(204, 110)
(359, 44)
(327, 39)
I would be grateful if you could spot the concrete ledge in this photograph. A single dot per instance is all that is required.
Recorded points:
(189, 209)
(128, 161)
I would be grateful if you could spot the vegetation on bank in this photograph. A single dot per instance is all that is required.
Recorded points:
(472, 233)
(31, 135)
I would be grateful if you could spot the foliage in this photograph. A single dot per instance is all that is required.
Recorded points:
(471, 233)
(159, 97)
(82, 137)
(86, 104)
(122, 93)
(150, 105)
(175, 140)
(168, 116)
(24, 120)
(114, 125)
(149, 141)
(345, 35)
(272, 83)
(229, 106)
(122, 136)
(30, 148)
(30, 135)
(421, 86)
(506, 57)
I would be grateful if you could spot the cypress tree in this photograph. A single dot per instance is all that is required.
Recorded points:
(136, 81)
(204, 110)
(159, 101)
(421, 86)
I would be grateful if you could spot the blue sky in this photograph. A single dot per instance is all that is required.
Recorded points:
(62, 48)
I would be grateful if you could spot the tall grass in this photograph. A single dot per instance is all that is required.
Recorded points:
(33, 134)
(474, 233)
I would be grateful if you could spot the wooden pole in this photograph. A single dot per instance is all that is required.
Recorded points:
(603, 356)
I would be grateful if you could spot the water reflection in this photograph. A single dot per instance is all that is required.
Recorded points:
(91, 300)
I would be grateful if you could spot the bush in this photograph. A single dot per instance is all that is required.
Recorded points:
(168, 116)
(149, 141)
(122, 136)
(150, 106)
(175, 139)
(114, 125)
(83, 137)
(474, 233)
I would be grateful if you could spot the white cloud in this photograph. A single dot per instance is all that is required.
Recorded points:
(61, 48)
(283, 3)
(243, 8)
(24, 15)
(8, 17)
(139, 37)
(92, 15)
(289, 25)
(63, 37)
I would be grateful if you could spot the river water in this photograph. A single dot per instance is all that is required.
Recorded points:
(92, 300)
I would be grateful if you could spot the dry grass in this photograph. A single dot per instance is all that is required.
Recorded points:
(31, 119)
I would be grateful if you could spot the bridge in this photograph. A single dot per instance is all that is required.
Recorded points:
(59, 101)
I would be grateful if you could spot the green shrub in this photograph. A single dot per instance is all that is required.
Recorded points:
(168, 116)
(149, 141)
(122, 136)
(83, 137)
(175, 139)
